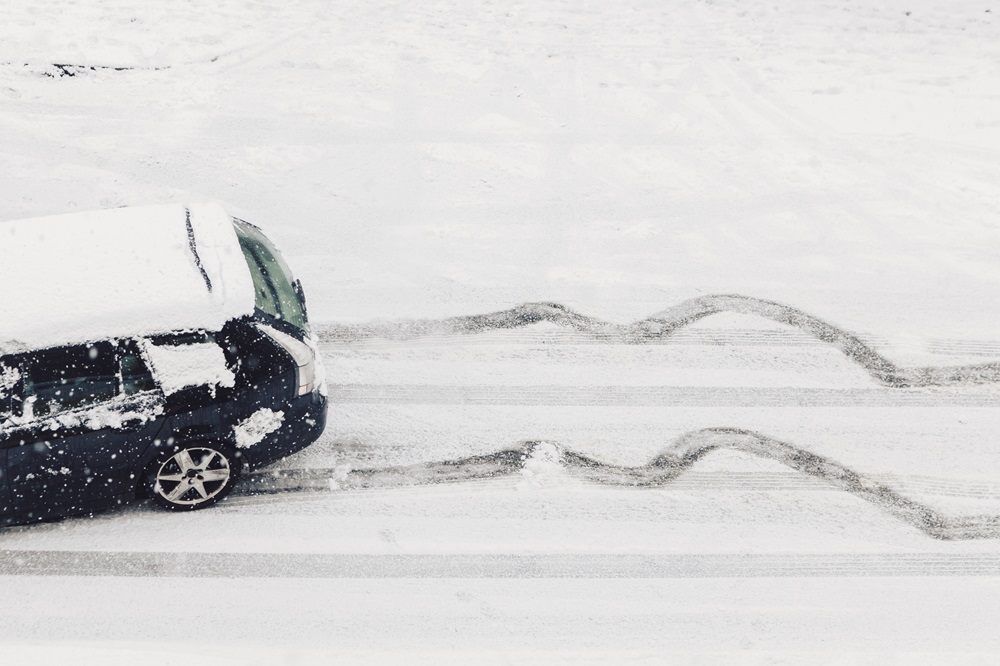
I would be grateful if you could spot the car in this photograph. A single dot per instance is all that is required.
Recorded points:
(152, 352)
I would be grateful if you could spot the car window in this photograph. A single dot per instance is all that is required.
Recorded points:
(136, 376)
(58, 380)
(275, 291)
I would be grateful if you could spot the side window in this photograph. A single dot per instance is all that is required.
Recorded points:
(135, 375)
(58, 380)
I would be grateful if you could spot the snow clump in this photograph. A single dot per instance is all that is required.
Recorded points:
(253, 429)
(541, 467)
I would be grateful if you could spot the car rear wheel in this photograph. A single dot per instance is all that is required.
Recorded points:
(193, 477)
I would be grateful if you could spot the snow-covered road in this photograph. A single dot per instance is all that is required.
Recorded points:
(426, 167)
(507, 621)
(446, 516)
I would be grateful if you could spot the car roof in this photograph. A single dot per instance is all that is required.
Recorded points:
(125, 272)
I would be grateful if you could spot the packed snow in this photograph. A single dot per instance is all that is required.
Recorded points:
(540, 467)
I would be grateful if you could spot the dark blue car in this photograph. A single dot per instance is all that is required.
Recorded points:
(173, 414)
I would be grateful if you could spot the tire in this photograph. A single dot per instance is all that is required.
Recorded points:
(193, 476)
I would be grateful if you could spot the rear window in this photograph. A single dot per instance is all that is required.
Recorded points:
(52, 381)
(275, 291)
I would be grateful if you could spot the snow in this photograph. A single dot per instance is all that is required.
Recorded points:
(8, 380)
(540, 467)
(439, 159)
(254, 428)
(113, 414)
(178, 367)
(119, 273)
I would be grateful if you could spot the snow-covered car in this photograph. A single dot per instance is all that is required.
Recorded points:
(147, 352)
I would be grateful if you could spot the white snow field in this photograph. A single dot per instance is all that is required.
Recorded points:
(817, 483)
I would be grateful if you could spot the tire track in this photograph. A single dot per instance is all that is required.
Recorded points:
(687, 337)
(460, 565)
(727, 481)
(664, 324)
(645, 396)
(690, 337)
(660, 472)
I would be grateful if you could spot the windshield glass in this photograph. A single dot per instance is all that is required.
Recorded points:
(275, 292)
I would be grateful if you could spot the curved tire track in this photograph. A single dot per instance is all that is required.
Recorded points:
(663, 470)
(663, 324)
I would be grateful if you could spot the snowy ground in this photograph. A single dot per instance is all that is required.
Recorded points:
(434, 159)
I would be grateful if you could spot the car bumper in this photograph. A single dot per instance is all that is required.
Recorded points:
(304, 421)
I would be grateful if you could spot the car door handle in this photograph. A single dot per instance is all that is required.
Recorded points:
(133, 424)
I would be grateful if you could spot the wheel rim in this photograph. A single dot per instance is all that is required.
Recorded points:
(193, 476)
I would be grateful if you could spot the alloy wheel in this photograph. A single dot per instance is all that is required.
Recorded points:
(193, 476)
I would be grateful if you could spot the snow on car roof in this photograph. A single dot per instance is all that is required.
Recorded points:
(119, 273)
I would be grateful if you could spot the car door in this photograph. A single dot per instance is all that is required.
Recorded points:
(86, 413)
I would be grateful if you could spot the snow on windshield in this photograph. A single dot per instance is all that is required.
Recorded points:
(120, 273)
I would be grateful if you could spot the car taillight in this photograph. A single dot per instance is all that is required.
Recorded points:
(302, 353)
